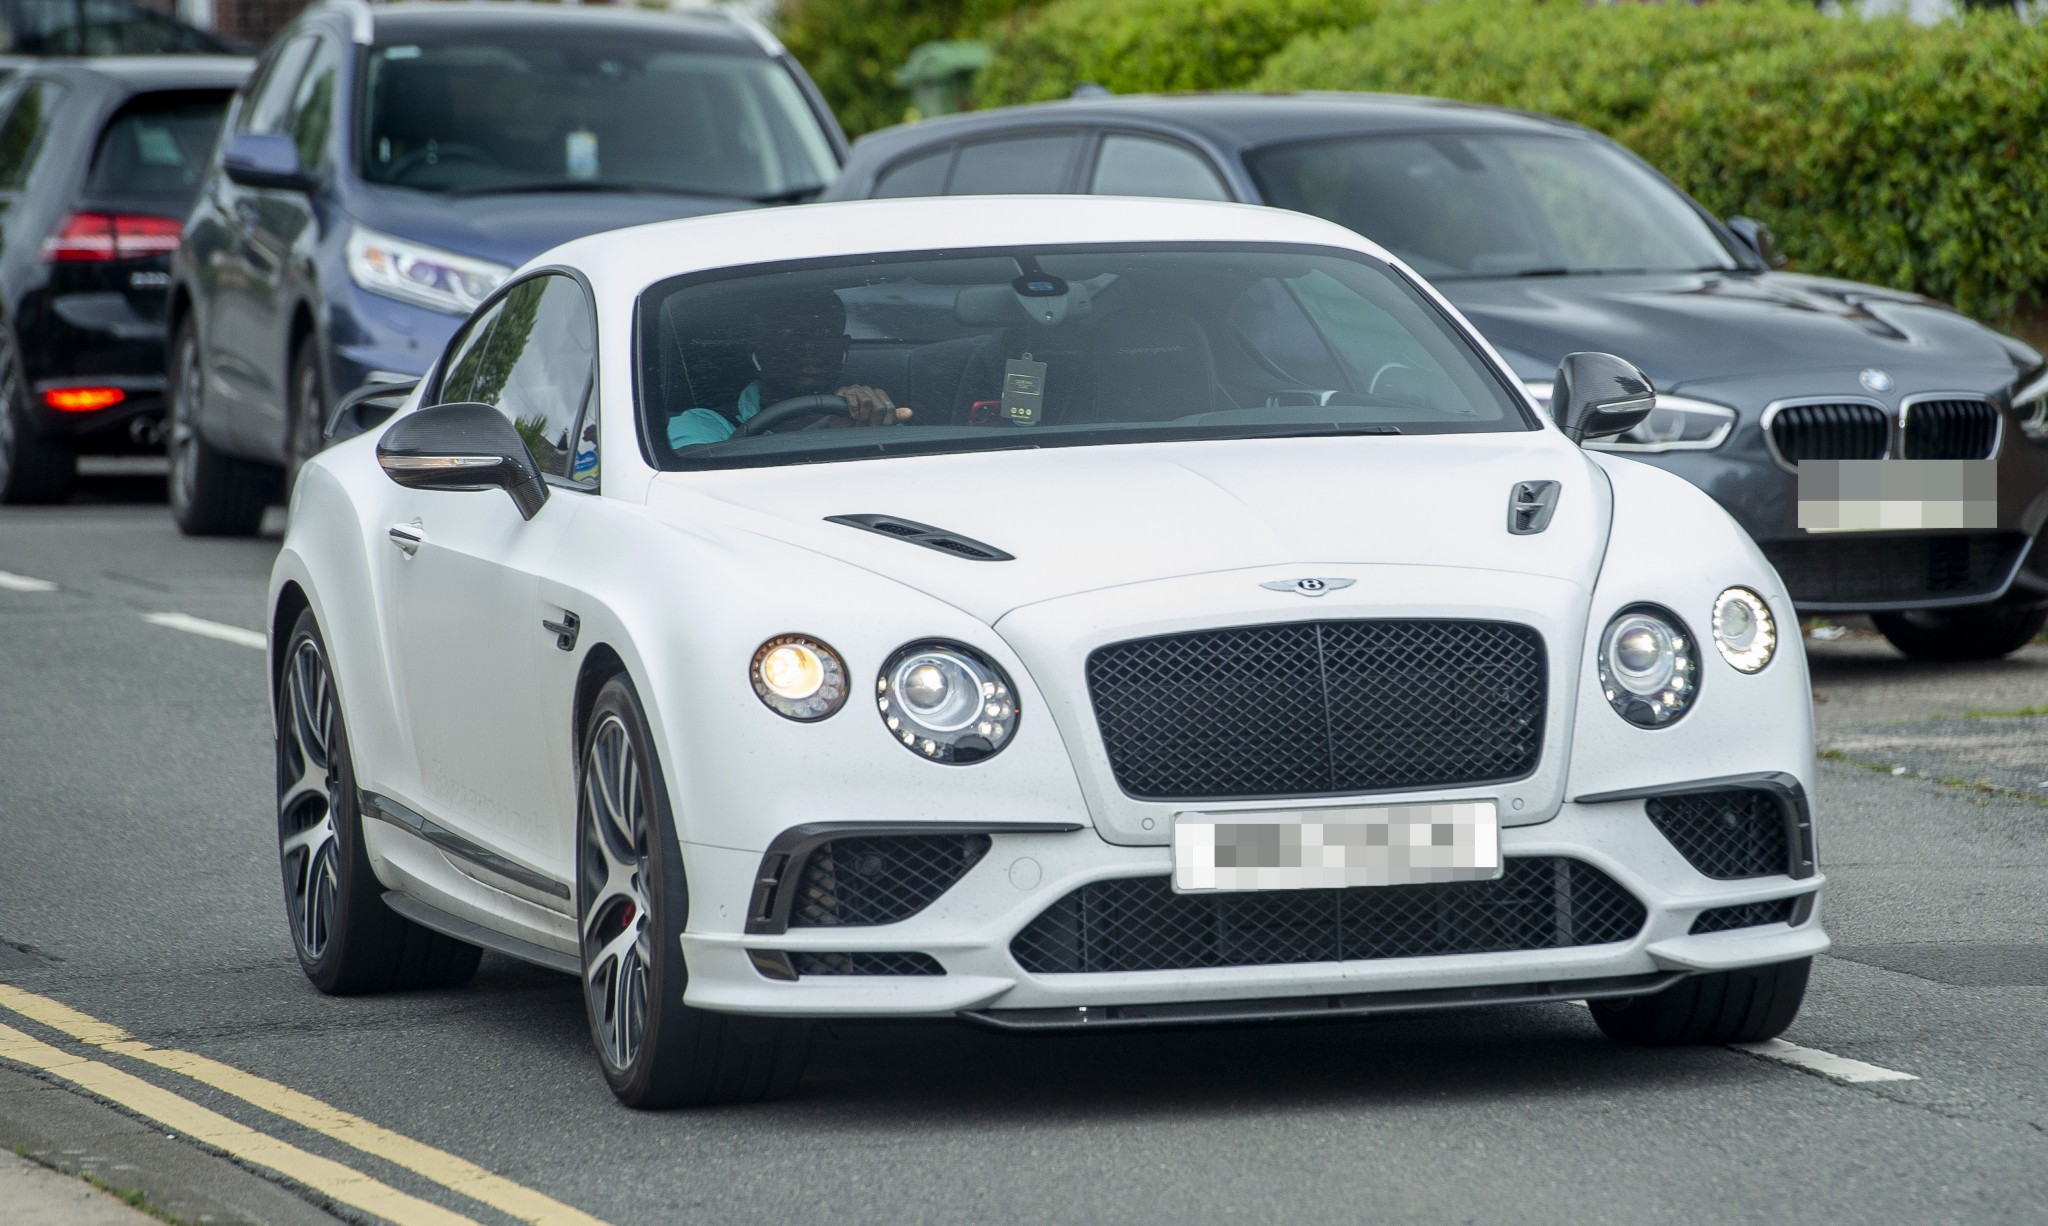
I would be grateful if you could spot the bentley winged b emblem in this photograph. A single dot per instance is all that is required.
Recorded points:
(1309, 587)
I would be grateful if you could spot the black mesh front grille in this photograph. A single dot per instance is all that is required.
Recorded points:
(1951, 430)
(862, 963)
(880, 880)
(1830, 432)
(1748, 915)
(1736, 833)
(1857, 570)
(1308, 708)
(1140, 924)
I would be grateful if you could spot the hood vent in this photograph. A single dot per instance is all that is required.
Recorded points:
(914, 533)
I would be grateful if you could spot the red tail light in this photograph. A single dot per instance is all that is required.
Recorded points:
(83, 399)
(111, 236)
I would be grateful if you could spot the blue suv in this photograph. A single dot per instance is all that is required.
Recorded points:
(387, 167)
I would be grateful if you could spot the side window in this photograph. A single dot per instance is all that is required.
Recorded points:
(23, 130)
(312, 113)
(1141, 166)
(271, 96)
(458, 380)
(1026, 164)
(920, 176)
(537, 369)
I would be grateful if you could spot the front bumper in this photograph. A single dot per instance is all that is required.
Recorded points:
(968, 931)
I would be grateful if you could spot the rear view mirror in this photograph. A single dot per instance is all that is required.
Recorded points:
(462, 447)
(264, 159)
(1597, 395)
(366, 408)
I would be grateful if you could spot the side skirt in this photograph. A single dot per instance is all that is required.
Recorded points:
(462, 930)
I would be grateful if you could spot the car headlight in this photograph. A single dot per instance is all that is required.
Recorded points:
(1649, 666)
(799, 678)
(946, 702)
(420, 274)
(1743, 629)
(2030, 405)
(1676, 424)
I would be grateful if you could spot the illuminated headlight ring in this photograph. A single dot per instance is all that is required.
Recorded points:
(1649, 666)
(799, 677)
(1744, 630)
(947, 702)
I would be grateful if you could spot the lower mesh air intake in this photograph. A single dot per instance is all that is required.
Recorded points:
(1740, 832)
(1747, 915)
(862, 963)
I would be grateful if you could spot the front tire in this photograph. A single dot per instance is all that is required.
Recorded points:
(305, 414)
(632, 903)
(212, 493)
(1745, 1006)
(347, 940)
(1961, 634)
(33, 467)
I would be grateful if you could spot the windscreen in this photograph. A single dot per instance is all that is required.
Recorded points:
(1044, 347)
(577, 109)
(156, 147)
(1495, 205)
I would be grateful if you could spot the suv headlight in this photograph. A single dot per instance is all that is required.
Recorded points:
(946, 702)
(1676, 424)
(1649, 666)
(414, 272)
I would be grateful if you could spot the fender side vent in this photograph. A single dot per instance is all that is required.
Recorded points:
(912, 532)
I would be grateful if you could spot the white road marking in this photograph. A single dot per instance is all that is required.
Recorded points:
(24, 583)
(1827, 1064)
(212, 630)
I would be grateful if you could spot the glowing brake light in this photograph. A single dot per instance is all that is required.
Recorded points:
(111, 236)
(83, 399)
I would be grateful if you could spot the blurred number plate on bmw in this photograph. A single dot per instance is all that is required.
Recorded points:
(1331, 848)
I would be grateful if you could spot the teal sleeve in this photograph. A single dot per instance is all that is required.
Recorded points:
(696, 428)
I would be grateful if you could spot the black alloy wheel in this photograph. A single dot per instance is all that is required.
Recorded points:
(1952, 635)
(631, 907)
(347, 940)
(1745, 1006)
(34, 468)
(212, 493)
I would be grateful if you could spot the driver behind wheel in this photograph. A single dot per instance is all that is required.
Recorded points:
(798, 343)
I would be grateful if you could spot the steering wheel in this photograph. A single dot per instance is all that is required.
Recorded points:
(795, 406)
(419, 157)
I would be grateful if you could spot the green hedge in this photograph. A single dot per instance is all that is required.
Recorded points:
(852, 48)
(1147, 46)
(1876, 151)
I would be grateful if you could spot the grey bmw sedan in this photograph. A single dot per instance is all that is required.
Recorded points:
(1888, 454)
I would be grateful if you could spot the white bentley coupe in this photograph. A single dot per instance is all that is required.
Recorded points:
(1041, 612)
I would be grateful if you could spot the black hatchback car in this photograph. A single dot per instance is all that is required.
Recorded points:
(99, 160)
(390, 165)
(1551, 239)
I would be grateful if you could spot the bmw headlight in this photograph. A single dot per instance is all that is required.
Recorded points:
(1676, 424)
(2030, 405)
(1649, 666)
(946, 702)
(1743, 629)
(798, 677)
(415, 272)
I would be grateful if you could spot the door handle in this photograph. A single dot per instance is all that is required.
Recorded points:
(407, 537)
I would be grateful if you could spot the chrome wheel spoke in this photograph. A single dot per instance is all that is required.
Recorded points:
(616, 920)
(309, 846)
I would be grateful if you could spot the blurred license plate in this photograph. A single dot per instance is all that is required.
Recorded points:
(1330, 848)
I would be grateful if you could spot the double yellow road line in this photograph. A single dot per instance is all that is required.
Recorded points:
(332, 1179)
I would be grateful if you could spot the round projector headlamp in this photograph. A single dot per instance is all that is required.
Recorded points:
(946, 702)
(1743, 629)
(1649, 666)
(799, 677)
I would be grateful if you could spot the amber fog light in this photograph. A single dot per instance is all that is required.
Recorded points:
(799, 678)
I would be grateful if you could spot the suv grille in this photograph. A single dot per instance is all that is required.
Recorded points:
(1739, 833)
(1877, 569)
(1308, 708)
(1951, 429)
(1140, 924)
(1830, 432)
(1747, 915)
(880, 880)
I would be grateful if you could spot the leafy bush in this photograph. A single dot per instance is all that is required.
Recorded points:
(852, 48)
(1146, 46)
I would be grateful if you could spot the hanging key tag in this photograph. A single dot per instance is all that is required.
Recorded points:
(1023, 391)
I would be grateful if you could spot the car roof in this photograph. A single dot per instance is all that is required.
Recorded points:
(398, 22)
(624, 262)
(137, 73)
(1232, 120)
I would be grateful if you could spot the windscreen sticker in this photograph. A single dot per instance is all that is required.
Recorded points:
(580, 155)
(1023, 391)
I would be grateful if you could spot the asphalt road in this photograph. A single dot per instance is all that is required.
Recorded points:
(138, 884)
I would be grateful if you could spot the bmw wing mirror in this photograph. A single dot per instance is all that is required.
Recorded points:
(462, 446)
(1598, 395)
(264, 159)
(1756, 236)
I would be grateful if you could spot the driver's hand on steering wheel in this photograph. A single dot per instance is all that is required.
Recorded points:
(868, 406)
